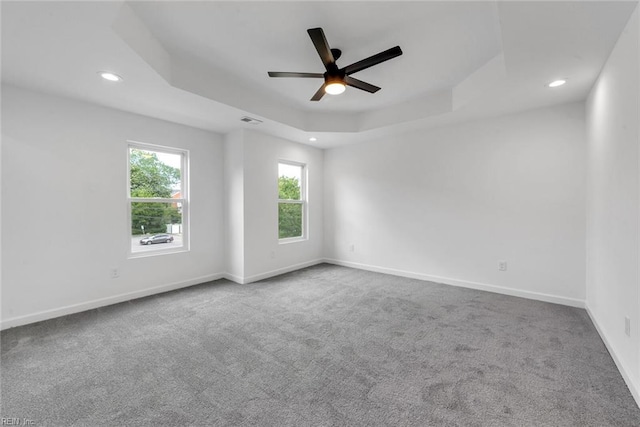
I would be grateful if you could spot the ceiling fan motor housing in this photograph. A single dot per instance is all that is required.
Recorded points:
(336, 76)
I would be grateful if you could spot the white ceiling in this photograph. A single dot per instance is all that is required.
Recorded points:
(205, 63)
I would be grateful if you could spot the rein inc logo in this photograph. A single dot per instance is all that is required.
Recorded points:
(16, 422)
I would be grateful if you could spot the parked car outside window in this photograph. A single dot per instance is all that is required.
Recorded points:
(157, 238)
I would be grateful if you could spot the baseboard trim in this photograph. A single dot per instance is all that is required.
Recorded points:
(633, 388)
(102, 302)
(277, 272)
(463, 283)
(233, 278)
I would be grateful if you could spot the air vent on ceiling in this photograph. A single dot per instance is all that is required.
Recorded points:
(250, 120)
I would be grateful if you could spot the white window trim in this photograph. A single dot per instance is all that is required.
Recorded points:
(303, 201)
(184, 191)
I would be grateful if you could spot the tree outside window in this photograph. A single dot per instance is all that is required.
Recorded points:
(291, 200)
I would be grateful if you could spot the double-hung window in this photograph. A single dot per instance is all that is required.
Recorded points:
(292, 200)
(158, 200)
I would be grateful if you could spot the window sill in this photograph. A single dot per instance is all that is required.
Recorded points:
(158, 252)
(288, 240)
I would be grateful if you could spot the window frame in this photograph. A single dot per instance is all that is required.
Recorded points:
(303, 202)
(183, 200)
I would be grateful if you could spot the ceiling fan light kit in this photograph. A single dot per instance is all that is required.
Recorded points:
(334, 87)
(336, 79)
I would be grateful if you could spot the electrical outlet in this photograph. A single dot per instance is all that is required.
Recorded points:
(627, 326)
(502, 265)
(273, 254)
(115, 273)
(352, 248)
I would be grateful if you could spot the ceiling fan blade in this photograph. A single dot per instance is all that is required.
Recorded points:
(319, 94)
(373, 60)
(287, 74)
(360, 84)
(322, 46)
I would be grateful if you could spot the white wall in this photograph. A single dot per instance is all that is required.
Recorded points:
(264, 256)
(234, 204)
(447, 204)
(613, 211)
(64, 210)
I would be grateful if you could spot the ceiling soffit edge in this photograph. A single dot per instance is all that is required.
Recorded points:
(194, 76)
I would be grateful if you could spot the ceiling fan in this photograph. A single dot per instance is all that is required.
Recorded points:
(335, 79)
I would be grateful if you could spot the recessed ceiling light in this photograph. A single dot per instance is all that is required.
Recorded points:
(110, 76)
(557, 83)
(313, 139)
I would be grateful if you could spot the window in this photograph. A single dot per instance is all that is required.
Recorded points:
(158, 202)
(291, 201)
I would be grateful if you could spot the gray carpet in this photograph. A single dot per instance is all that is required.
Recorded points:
(324, 346)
